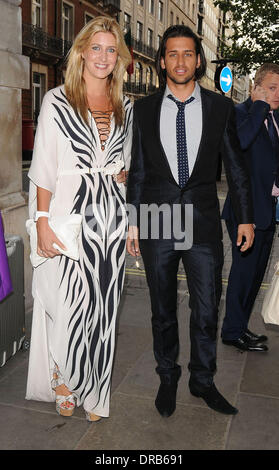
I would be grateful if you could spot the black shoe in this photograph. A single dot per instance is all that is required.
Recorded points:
(255, 338)
(166, 397)
(215, 400)
(244, 344)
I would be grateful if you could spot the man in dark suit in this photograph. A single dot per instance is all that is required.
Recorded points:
(174, 164)
(257, 127)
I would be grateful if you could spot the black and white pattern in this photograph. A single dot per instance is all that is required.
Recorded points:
(80, 298)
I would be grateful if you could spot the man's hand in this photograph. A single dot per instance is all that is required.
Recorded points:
(246, 231)
(259, 93)
(122, 177)
(133, 241)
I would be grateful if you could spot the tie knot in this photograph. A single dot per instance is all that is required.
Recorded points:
(181, 104)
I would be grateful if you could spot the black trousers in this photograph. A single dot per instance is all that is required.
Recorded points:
(246, 275)
(203, 266)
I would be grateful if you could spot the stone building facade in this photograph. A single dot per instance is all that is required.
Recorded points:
(14, 78)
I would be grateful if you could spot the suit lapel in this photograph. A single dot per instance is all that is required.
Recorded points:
(162, 155)
(276, 117)
(206, 109)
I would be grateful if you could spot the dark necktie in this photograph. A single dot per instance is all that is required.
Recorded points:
(181, 143)
(273, 134)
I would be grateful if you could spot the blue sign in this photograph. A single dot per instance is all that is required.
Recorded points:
(226, 79)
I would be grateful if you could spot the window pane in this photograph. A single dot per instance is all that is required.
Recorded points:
(37, 13)
(36, 78)
(67, 25)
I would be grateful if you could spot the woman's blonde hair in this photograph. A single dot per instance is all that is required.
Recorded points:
(75, 86)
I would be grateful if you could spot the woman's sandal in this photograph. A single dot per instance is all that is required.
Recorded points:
(91, 417)
(65, 406)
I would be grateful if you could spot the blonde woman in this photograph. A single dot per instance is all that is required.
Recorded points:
(82, 147)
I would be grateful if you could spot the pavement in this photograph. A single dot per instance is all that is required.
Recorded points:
(250, 381)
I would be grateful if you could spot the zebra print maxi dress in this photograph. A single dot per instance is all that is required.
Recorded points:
(75, 302)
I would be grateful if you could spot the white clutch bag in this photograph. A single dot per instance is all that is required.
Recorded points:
(270, 307)
(67, 228)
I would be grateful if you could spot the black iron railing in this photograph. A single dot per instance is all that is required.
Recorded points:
(112, 3)
(140, 46)
(139, 89)
(35, 38)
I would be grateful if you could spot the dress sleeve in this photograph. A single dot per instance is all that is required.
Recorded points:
(43, 168)
(127, 145)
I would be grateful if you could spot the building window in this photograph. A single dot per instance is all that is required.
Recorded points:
(177, 20)
(88, 17)
(37, 13)
(159, 39)
(67, 22)
(171, 18)
(149, 37)
(151, 7)
(193, 11)
(127, 22)
(139, 31)
(39, 89)
(138, 75)
(140, 2)
(161, 11)
(149, 79)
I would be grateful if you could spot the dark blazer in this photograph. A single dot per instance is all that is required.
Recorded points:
(150, 177)
(260, 158)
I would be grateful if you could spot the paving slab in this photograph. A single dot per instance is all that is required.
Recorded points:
(136, 425)
(256, 425)
(31, 430)
(131, 342)
(261, 372)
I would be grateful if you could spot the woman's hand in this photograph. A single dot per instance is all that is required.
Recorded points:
(46, 238)
(121, 177)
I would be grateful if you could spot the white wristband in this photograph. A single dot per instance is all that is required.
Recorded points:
(41, 214)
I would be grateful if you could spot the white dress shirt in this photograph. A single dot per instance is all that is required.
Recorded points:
(193, 124)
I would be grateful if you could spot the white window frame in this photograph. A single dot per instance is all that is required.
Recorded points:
(161, 11)
(37, 4)
(151, 8)
(150, 37)
(42, 87)
(127, 23)
(71, 35)
(89, 15)
(139, 28)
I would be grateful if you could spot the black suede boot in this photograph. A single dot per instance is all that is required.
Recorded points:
(166, 398)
